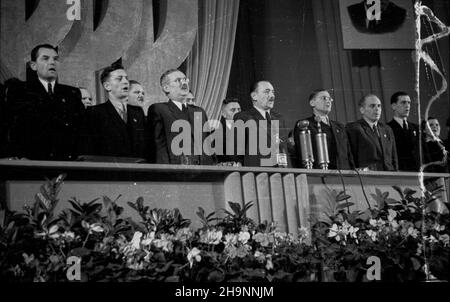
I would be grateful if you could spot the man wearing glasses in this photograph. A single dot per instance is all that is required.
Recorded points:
(339, 151)
(161, 117)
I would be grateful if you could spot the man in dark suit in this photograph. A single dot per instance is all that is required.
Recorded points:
(390, 19)
(262, 130)
(44, 115)
(169, 144)
(114, 128)
(372, 143)
(229, 108)
(338, 145)
(406, 133)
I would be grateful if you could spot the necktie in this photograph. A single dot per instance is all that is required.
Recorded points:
(405, 126)
(185, 108)
(50, 89)
(375, 130)
(124, 113)
(267, 116)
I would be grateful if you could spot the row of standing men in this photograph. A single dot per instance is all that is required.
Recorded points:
(45, 120)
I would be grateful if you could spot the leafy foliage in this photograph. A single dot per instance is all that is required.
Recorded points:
(35, 244)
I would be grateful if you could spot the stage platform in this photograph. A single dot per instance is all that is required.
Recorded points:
(291, 197)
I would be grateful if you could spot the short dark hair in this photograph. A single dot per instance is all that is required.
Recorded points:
(363, 99)
(424, 122)
(315, 92)
(165, 74)
(107, 71)
(35, 50)
(395, 96)
(230, 100)
(256, 85)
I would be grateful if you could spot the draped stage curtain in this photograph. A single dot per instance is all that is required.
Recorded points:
(350, 73)
(209, 63)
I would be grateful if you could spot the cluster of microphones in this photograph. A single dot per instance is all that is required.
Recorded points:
(306, 145)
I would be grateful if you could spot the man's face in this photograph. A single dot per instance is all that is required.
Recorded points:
(435, 127)
(322, 103)
(86, 97)
(190, 99)
(177, 86)
(264, 96)
(47, 64)
(136, 96)
(371, 108)
(230, 109)
(402, 107)
(117, 84)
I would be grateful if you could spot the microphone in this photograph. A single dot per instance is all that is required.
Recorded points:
(322, 146)
(305, 144)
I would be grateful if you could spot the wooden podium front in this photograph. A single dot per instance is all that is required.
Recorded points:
(291, 197)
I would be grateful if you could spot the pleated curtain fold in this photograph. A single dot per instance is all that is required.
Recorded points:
(209, 63)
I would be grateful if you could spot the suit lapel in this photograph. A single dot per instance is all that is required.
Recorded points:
(371, 135)
(176, 112)
(112, 112)
(383, 136)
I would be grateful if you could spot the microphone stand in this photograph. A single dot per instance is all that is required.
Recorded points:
(305, 144)
(322, 147)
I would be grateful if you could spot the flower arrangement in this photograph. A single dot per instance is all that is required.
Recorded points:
(36, 245)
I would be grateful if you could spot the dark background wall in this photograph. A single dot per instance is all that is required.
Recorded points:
(276, 41)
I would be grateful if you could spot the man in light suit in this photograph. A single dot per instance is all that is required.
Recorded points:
(161, 117)
(44, 116)
(372, 143)
(406, 133)
(115, 128)
(339, 151)
(263, 116)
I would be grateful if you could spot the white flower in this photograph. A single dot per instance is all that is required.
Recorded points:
(333, 231)
(269, 263)
(243, 237)
(303, 233)
(230, 239)
(211, 237)
(372, 235)
(183, 234)
(136, 241)
(392, 215)
(413, 232)
(262, 238)
(165, 243)
(194, 255)
(438, 227)
(148, 239)
(260, 256)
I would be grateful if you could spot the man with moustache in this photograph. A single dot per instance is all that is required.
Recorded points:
(406, 133)
(338, 145)
(115, 128)
(372, 143)
(44, 116)
(230, 107)
(258, 139)
(161, 117)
